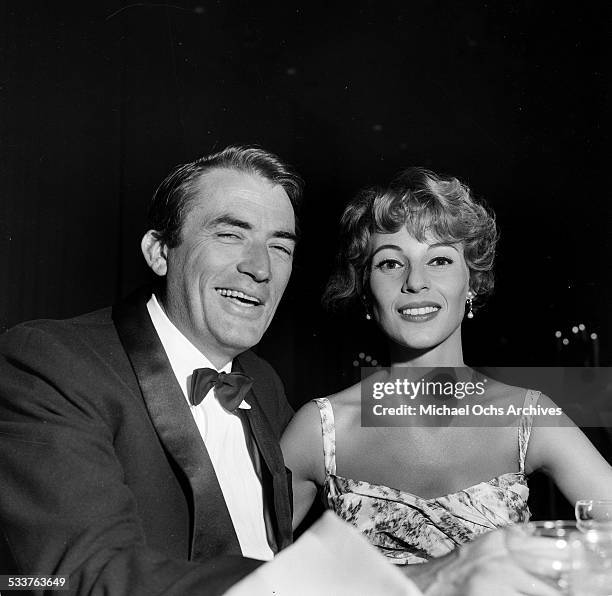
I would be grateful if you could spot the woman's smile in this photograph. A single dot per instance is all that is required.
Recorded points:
(419, 312)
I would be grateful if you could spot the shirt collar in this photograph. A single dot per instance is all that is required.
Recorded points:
(184, 357)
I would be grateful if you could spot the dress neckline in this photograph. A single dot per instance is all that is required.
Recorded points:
(520, 475)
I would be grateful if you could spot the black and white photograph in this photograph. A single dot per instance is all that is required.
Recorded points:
(305, 298)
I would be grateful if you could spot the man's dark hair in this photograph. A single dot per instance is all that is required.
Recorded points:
(172, 199)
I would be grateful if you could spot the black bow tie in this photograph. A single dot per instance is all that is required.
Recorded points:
(230, 388)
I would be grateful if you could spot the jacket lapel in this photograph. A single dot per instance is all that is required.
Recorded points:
(277, 496)
(213, 531)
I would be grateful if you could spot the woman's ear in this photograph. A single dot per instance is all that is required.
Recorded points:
(155, 253)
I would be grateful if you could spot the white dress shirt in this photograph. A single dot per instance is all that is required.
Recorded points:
(223, 436)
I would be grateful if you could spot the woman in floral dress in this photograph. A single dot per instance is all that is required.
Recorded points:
(419, 255)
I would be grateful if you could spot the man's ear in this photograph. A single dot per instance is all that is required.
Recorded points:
(155, 253)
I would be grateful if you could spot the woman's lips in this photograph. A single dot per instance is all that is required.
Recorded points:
(418, 313)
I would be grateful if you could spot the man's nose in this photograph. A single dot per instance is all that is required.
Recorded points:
(416, 279)
(256, 262)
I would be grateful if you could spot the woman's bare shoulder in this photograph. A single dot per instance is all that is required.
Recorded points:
(302, 444)
(513, 399)
(346, 404)
(309, 414)
(305, 419)
(503, 393)
(346, 397)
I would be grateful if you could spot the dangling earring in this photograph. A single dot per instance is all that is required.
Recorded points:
(366, 307)
(470, 303)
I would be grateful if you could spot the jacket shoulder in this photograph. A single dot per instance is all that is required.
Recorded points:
(93, 327)
(95, 318)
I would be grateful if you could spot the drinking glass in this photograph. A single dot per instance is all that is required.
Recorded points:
(594, 515)
(591, 573)
(543, 549)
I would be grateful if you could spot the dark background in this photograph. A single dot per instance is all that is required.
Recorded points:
(101, 99)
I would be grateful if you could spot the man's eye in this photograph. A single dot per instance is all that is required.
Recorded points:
(388, 264)
(439, 261)
(284, 249)
(227, 235)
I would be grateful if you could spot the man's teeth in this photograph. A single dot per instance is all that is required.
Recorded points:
(425, 310)
(237, 294)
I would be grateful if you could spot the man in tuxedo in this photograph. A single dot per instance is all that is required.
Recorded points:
(123, 468)
(139, 445)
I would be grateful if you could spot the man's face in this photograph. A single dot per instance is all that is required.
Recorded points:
(227, 275)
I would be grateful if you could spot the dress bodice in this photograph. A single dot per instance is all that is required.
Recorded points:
(409, 529)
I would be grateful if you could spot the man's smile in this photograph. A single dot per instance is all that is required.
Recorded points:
(240, 296)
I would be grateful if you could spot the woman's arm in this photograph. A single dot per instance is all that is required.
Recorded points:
(569, 458)
(302, 445)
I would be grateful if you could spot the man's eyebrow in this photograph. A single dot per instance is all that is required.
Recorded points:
(230, 220)
(285, 235)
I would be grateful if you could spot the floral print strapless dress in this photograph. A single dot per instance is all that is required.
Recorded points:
(408, 529)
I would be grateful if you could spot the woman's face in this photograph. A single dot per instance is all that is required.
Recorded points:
(418, 289)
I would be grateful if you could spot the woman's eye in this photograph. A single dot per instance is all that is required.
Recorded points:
(439, 261)
(389, 264)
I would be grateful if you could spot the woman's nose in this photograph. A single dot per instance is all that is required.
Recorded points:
(416, 279)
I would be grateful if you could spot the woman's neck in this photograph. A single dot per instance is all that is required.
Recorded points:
(449, 353)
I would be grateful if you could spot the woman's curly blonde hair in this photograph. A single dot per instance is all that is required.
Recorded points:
(428, 205)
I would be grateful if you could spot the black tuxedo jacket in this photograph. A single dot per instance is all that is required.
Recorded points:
(103, 474)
